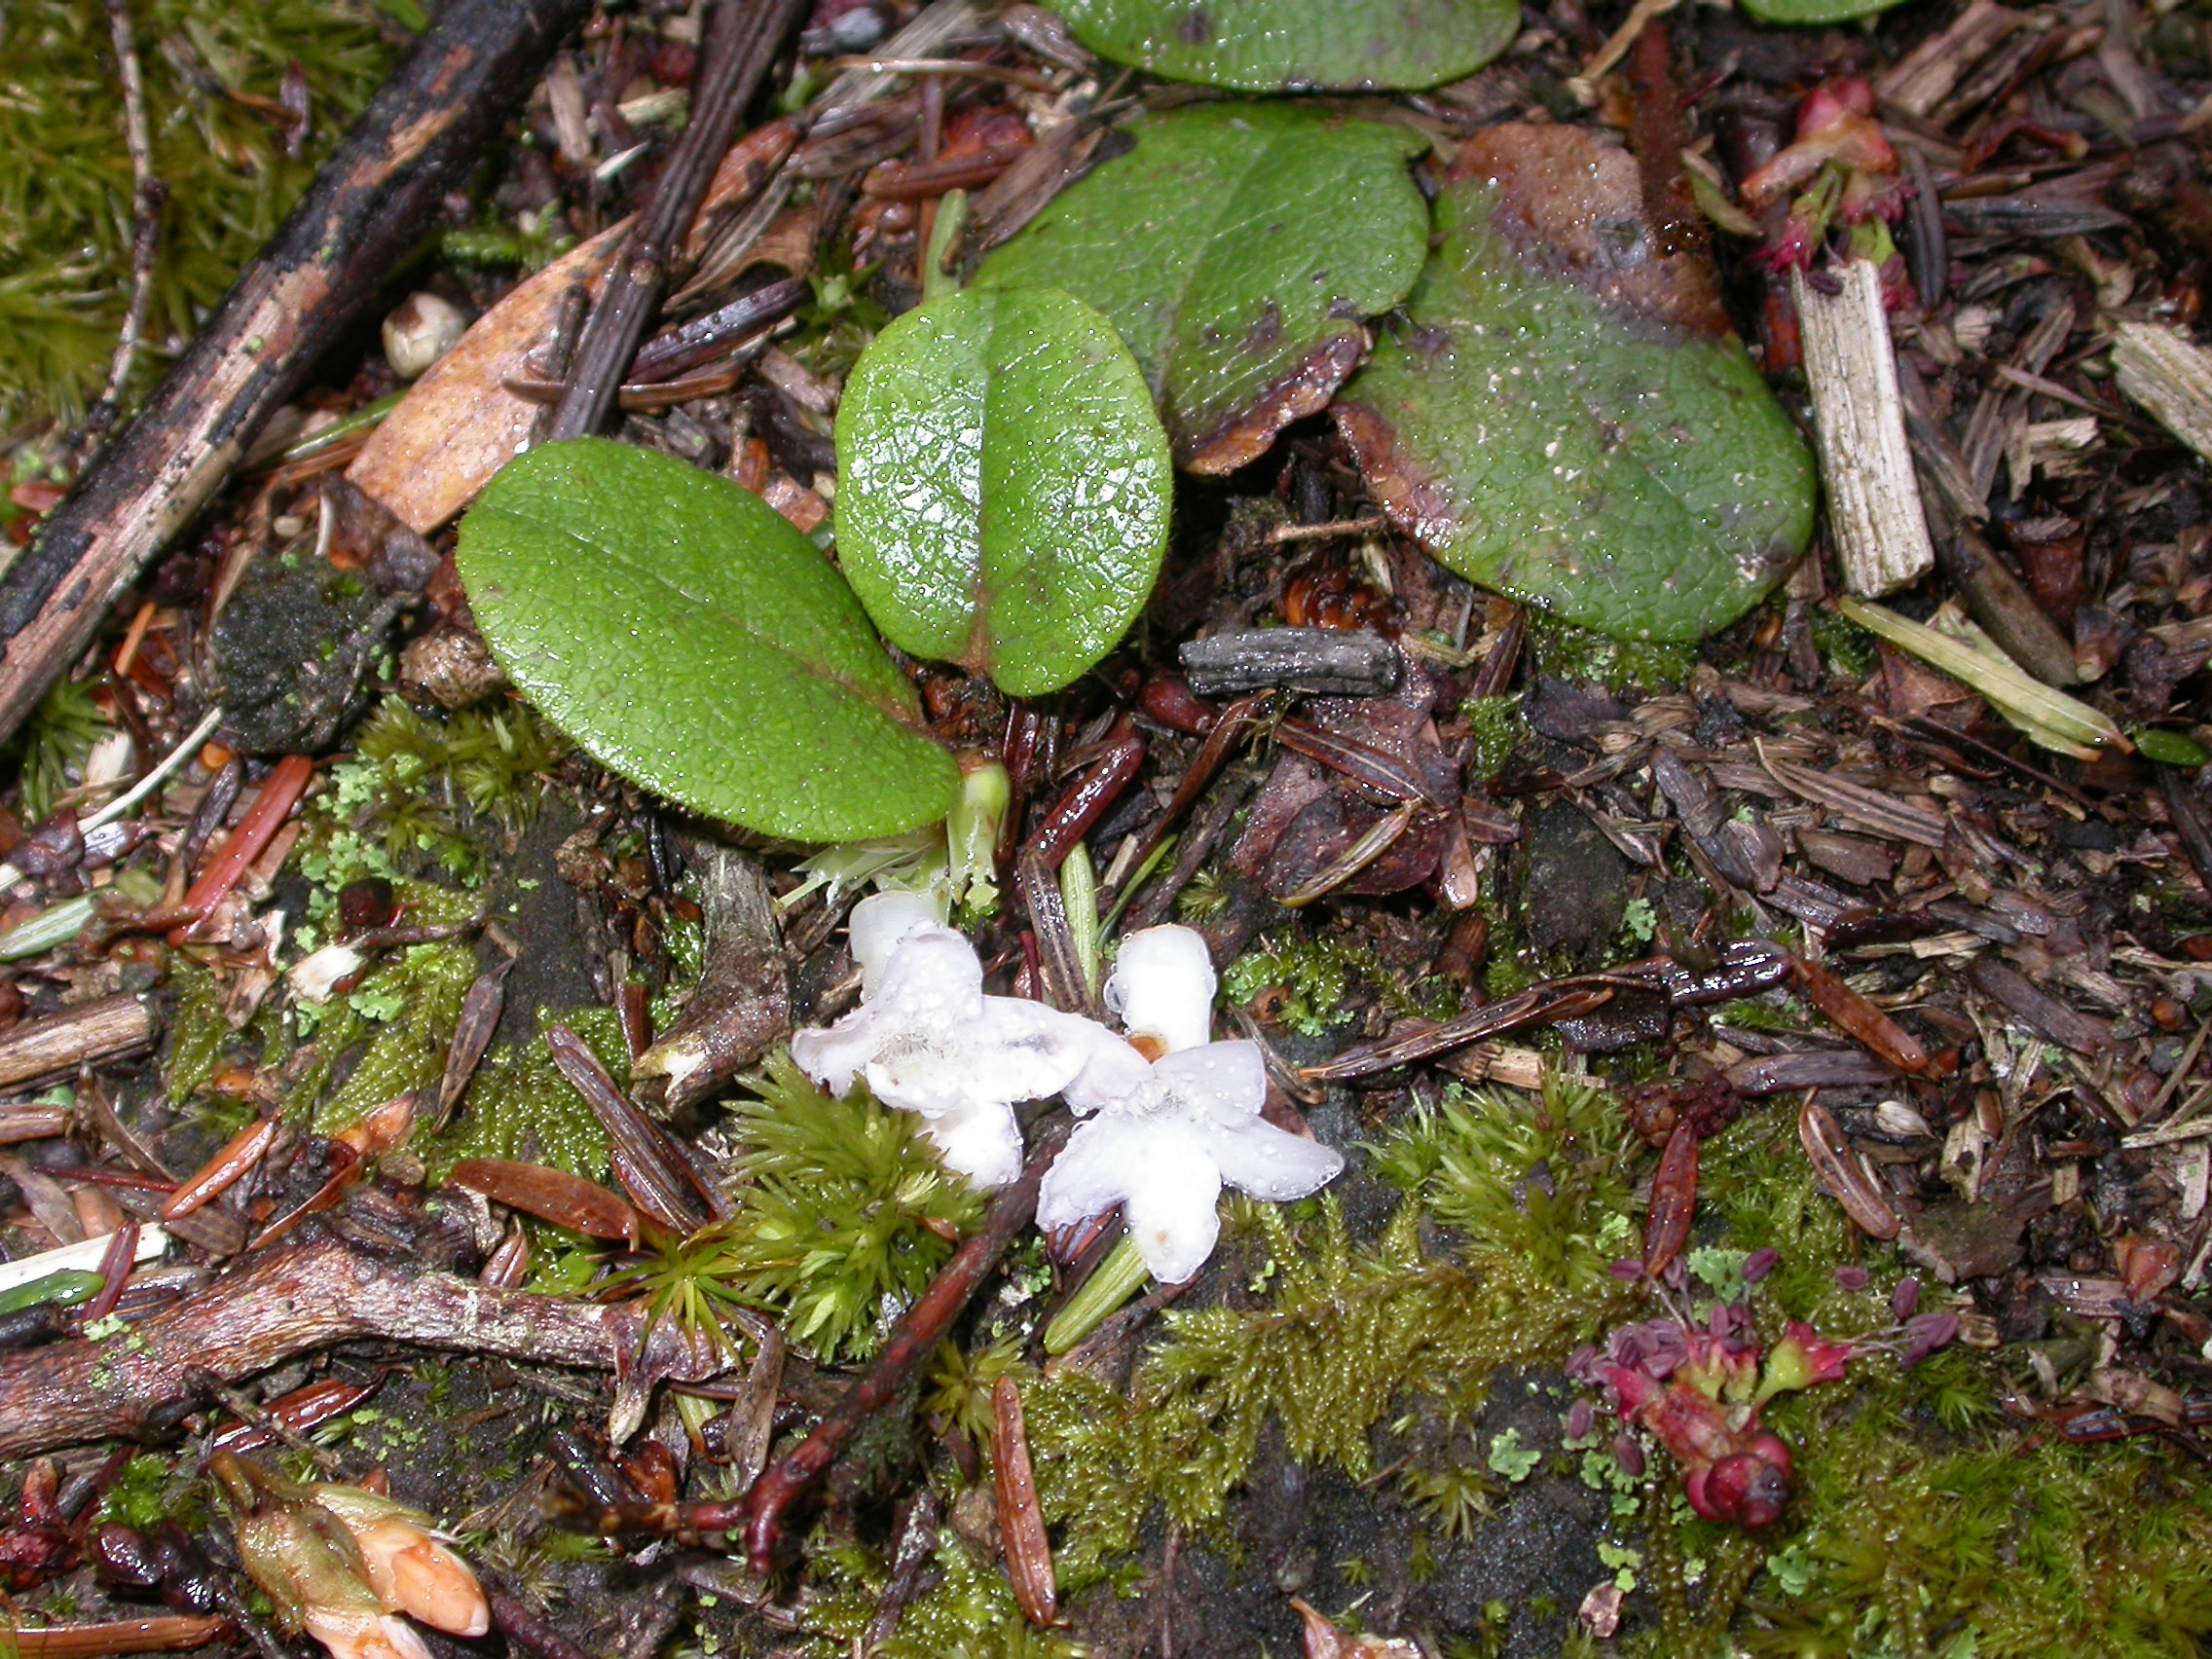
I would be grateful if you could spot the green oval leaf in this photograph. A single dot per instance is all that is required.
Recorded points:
(1273, 46)
(1237, 247)
(1813, 11)
(1564, 416)
(1003, 485)
(687, 637)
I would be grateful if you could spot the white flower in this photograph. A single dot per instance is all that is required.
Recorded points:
(1165, 1138)
(1163, 986)
(929, 1041)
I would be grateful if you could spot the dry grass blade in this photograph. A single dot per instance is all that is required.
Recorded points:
(2051, 718)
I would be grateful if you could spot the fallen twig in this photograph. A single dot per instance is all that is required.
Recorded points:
(322, 1287)
(745, 36)
(147, 194)
(421, 136)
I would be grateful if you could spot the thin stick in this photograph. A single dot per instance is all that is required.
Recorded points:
(147, 194)
(745, 36)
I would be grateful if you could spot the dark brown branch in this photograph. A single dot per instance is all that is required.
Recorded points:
(312, 1291)
(744, 39)
(419, 138)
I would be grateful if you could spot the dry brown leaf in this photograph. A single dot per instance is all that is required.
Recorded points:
(460, 424)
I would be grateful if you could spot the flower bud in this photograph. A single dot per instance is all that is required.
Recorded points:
(972, 833)
(410, 1570)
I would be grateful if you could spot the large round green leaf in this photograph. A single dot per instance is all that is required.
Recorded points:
(1237, 248)
(1565, 418)
(1270, 45)
(692, 640)
(1003, 485)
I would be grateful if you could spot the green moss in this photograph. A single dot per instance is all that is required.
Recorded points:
(51, 750)
(958, 1387)
(197, 1030)
(837, 1210)
(1469, 1160)
(1497, 726)
(519, 1106)
(406, 1011)
(1314, 978)
(423, 789)
(65, 191)
(1577, 653)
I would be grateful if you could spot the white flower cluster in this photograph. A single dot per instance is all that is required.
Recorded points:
(1170, 1117)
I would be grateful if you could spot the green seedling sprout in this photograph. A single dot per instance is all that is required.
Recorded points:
(1111, 1283)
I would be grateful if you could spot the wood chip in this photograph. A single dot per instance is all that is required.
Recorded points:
(1923, 79)
(57, 1046)
(2168, 374)
(1873, 493)
(1884, 814)
(460, 424)
(2044, 1014)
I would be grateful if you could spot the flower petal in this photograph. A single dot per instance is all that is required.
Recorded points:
(880, 922)
(834, 1056)
(1101, 1164)
(1162, 983)
(1174, 1217)
(1272, 1164)
(1224, 1084)
(982, 1143)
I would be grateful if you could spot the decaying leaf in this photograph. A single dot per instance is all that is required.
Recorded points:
(1237, 248)
(1567, 417)
(1269, 46)
(459, 424)
(1005, 485)
(689, 639)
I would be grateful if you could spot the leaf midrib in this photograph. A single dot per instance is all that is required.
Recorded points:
(815, 671)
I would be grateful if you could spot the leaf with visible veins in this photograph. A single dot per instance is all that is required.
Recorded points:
(1003, 485)
(1565, 416)
(1274, 46)
(1238, 248)
(687, 637)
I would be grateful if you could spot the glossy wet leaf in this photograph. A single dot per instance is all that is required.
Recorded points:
(1237, 247)
(1815, 10)
(1267, 45)
(1003, 485)
(1564, 416)
(678, 629)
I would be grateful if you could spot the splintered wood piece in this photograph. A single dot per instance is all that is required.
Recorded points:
(743, 1005)
(79, 1036)
(1926, 77)
(2171, 376)
(312, 1292)
(1881, 535)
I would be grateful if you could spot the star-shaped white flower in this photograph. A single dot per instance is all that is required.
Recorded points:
(1167, 1134)
(1165, 1138)
(927, 1039)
